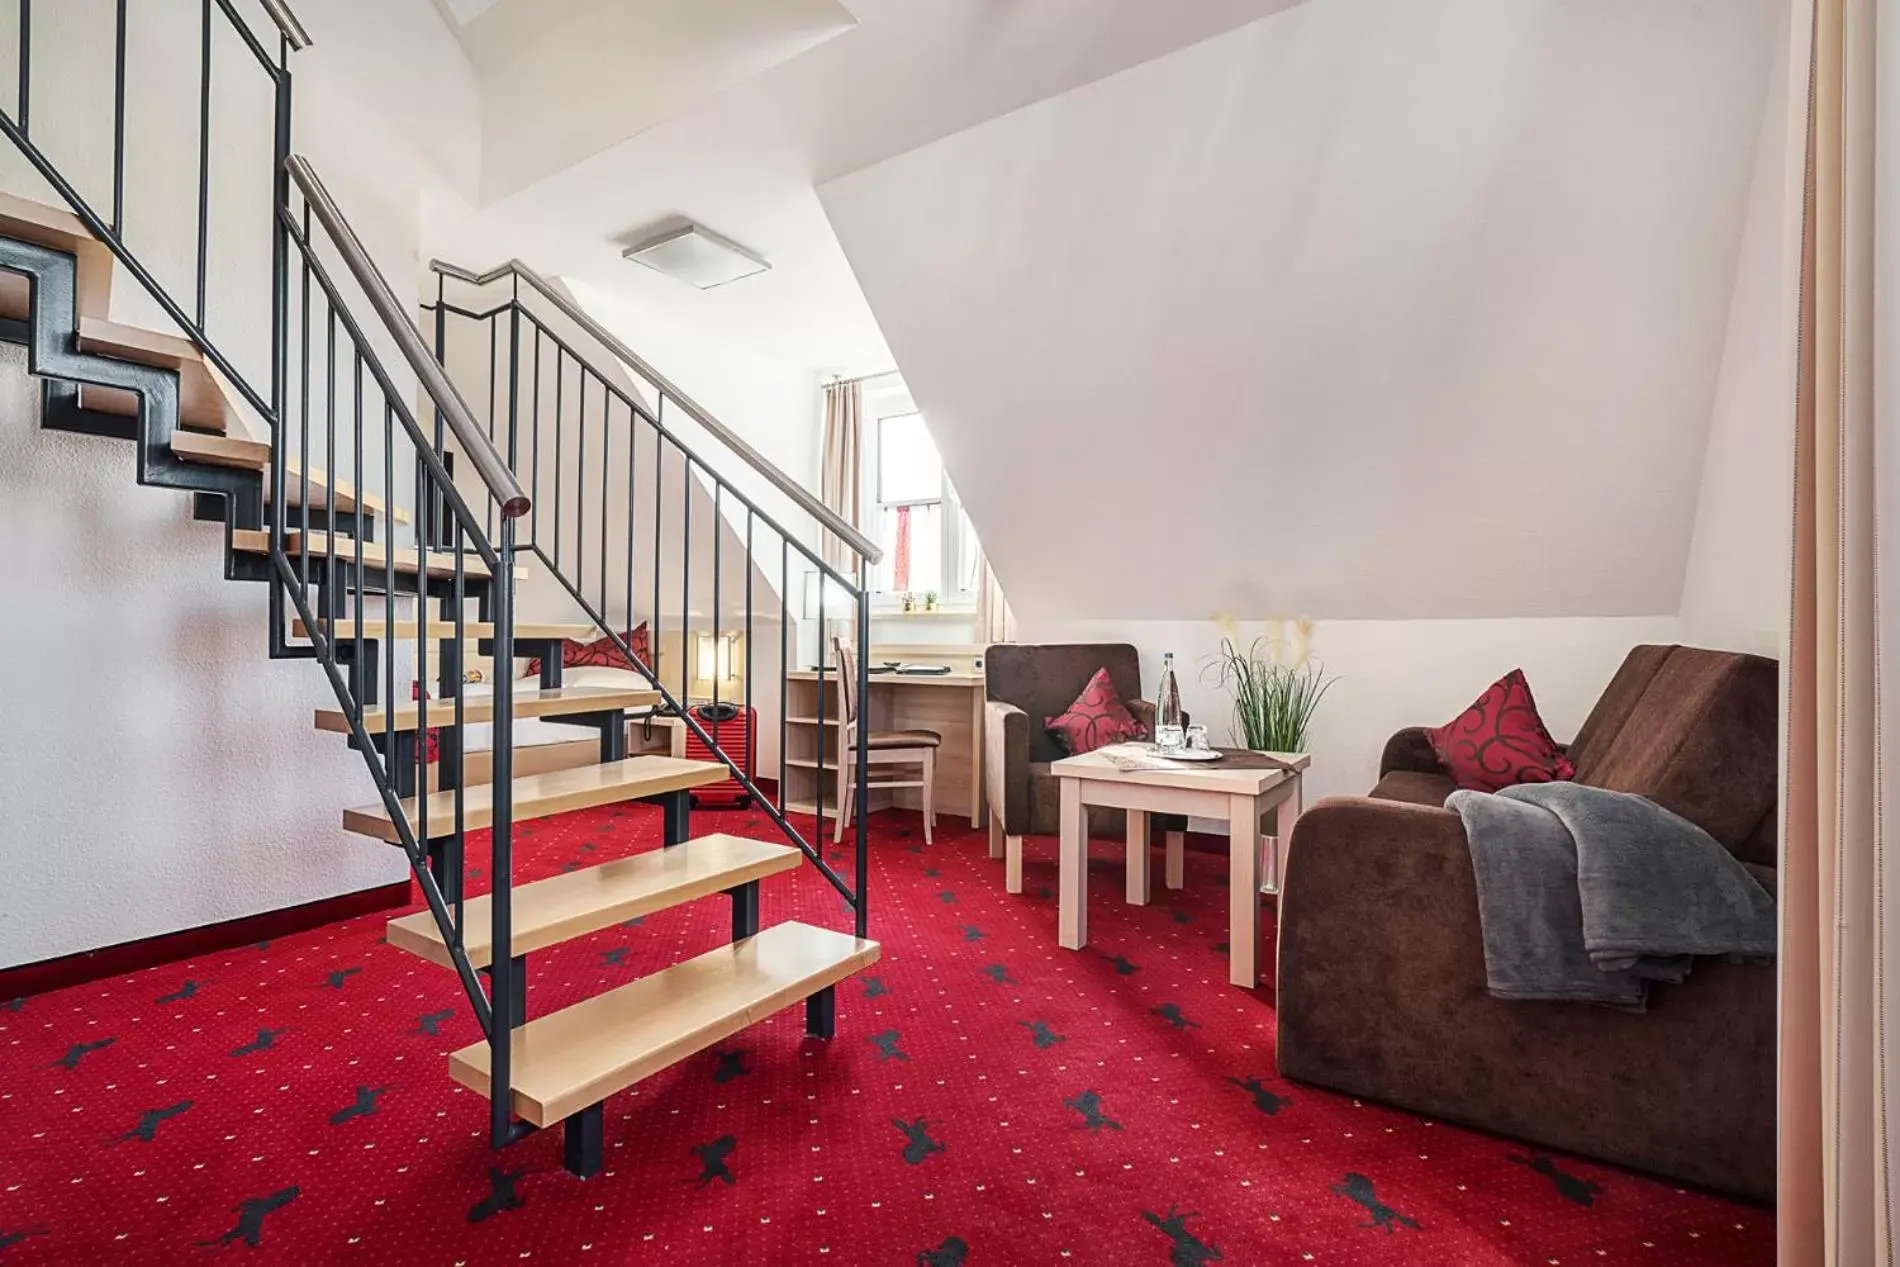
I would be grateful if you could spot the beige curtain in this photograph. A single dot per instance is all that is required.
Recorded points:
(841, 482)
(1840, 907)
(995, 622)
(841, 487)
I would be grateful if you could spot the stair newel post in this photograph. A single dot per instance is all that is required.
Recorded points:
(501, 868)
(862, 776)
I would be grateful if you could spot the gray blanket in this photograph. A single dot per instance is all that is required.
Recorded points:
(1588, 895)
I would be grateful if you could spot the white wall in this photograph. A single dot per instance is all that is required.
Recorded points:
(767, 402)
(593, 520)
(1410, 311)
(159, 770)
(1392, 674)
(1735, 591)
(1362, 289)
(385, 111)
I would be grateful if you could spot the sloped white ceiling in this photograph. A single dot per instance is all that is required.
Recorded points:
(565, 79)
(745, 162)
(1372, 308)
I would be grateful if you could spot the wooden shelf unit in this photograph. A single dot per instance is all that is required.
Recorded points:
(950, 704)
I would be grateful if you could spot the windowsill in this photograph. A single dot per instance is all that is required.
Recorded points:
(941, 613)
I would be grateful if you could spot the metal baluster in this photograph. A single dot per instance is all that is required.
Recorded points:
(718, 597)
(501, 899)
(633, 506)
(686, 571)
(204, 163)
(429, 528)
(118, 121)
(361, 496)
(389, 586)
(535, 439)
(514, 381)
(330, 571)
(659, 503)
(441, 419)
(279, 344)
(504, 675)
(785, 661)
(580, 488)
(863, 776)
(560, 364)
(751, 737)
(494, 361)
(824, 651)
(26, 60)
(303, 430)
(606, 481)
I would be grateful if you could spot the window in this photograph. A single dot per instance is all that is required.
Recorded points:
(913, 509)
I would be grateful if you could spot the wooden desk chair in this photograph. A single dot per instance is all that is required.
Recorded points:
(884, 748)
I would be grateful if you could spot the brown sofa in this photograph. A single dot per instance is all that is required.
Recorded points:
(1381, 967)
(1023, 684)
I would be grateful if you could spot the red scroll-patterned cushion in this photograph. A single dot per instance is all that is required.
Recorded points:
(1500, 741)
(1097, 718)
(601, 651)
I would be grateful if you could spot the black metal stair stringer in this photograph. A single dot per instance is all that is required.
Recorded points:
(50, 334)
(52, 354)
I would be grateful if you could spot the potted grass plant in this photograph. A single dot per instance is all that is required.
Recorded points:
(1276, 684)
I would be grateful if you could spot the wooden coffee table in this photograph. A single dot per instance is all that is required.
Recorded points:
(1241, 790)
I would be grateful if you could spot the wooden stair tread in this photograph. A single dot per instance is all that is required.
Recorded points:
(540, 795)
(374, 555)
(21, 216)
(24, 220)
(554, 702)
(136, 343)
(202, 400)
(254, 455)
(567, 1060)
(444, 630)
(576, 903)
(234, 451)
(216, 416)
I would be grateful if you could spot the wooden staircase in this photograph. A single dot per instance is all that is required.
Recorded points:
(197, 432)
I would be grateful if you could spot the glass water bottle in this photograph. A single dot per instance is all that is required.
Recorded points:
(1168, 730)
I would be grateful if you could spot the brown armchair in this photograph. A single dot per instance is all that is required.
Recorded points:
(1023, 684)
(1381, 989)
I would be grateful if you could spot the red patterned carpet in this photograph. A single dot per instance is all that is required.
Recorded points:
(989, 1099)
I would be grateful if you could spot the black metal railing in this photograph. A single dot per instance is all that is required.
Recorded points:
(331, 405)
(349, 404)
(568, 404)
(380, 529)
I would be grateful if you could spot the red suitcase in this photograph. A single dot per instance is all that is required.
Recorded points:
(734, 737)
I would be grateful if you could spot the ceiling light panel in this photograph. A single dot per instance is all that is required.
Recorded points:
(697, 256)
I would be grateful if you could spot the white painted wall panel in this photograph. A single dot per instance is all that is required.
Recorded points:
(157, 770)
(1393, 674)
(1411, 310)
(1735, 592)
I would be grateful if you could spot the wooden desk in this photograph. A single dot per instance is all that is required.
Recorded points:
(949, 703)
(1242, 796)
